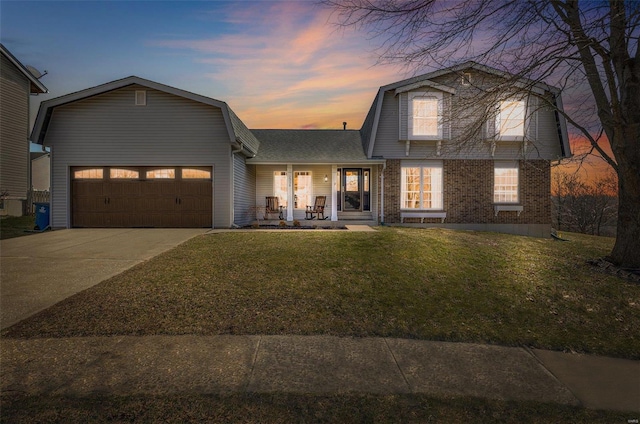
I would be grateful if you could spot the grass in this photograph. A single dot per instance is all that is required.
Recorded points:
(292, 408)
(398, 282)
(16, 226)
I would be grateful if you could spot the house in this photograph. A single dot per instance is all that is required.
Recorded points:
(40, 171)
(135, 153)
(17, 84)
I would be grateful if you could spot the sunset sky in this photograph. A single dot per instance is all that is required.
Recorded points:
(277, 64)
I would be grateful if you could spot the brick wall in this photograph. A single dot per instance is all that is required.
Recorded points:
(468, 193)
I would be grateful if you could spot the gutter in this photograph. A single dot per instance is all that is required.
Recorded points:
(239, 147)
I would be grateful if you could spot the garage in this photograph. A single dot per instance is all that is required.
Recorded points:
(141, 197)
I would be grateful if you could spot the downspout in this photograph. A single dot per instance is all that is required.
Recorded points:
(384, 166)
(234, 149)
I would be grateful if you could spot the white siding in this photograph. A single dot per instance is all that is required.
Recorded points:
(109, 129)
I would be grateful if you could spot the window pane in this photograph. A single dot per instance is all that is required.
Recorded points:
(505, 186)
(195, 173)
(161, 173)
(280, 187)
(511, 118)
(410, 188)
(425, 116)
(92, 174)
(302, 189)
(432, 188)
(122, 173)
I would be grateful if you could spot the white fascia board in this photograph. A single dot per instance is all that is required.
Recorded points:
(422, 84)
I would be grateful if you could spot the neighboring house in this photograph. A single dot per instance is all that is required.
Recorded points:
(40, 171)
(137, 153)
(17, 83)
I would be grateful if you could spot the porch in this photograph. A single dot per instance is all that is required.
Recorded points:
(350, 191)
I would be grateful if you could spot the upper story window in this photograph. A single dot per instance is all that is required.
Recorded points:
(510, 119)
(425, 116)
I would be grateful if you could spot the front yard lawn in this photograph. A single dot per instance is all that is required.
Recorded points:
(16, 226)
(294, 408)
(431, 284)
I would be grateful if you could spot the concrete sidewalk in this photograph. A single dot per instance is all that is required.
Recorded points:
(40, 270)
(313, 364)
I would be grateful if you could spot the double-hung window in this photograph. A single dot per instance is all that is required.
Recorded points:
(510, 119)
(425, 116)
(421, 187)
(505, 182)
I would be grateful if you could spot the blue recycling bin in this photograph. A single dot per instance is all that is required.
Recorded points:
(42, 216)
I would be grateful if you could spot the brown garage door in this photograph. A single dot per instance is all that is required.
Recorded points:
(161, 197)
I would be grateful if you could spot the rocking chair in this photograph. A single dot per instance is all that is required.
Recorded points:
(272, 207)
(317, 208)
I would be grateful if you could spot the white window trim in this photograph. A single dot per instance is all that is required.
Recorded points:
(506, 165)
(427, 94)
(421, 165)
(524, 121)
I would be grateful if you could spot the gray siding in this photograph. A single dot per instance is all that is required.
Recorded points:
(244, 190)
(109, 129)
(542, 141)
(14, 130)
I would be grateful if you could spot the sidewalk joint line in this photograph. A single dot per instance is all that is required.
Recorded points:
(398, 365)
(555, 377)
(253, 364)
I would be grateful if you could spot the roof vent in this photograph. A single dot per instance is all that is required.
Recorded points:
(141, 98)
(344, 126)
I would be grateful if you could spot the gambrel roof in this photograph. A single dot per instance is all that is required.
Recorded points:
(370, 124)
(238, 132)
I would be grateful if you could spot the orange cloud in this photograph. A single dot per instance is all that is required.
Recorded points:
(288, 67)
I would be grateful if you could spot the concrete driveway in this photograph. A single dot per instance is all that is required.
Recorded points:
(40, 270)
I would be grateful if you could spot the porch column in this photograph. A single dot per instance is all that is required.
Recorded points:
(334, 193)
(290, 200)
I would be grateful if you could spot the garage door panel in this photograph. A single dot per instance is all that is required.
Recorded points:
(142, 203)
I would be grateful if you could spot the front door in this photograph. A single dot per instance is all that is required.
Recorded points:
(352, 179)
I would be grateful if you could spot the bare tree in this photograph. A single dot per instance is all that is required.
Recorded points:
(589, 49)
(584, 207)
